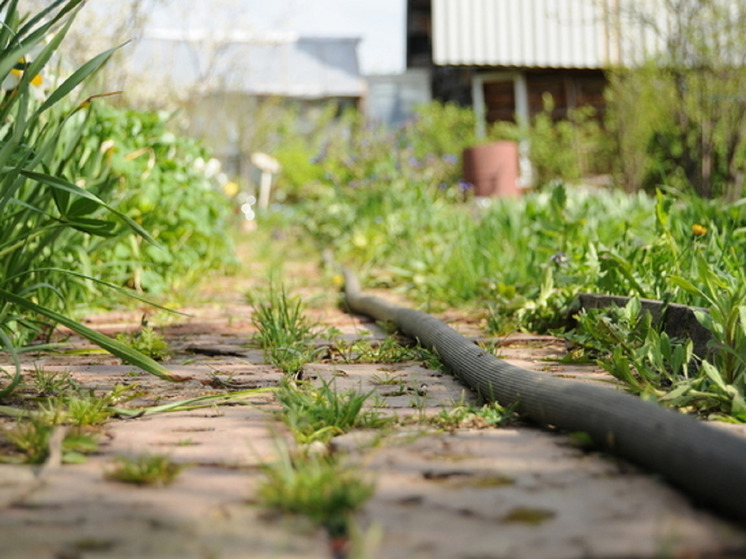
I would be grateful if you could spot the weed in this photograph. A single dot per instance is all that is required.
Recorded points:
(387, 379)
(726, 320)
(318, 414)
(32, 436)
(430, 359)
(389, 350)
(632, 349)
(148, 341)
(399, 389)
(53, 383)
(467, 415)
(419, 403)
(648, 362)
(145, 469)
(77, 445)
(318, 487)
(86, 409)
(284, 332)
(526, 515)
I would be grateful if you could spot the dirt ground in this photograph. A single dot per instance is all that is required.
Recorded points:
(506, 492)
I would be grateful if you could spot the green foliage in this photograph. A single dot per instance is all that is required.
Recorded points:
(166, 184)
(148, 342)
(43, 213)
(318, 414)
(284, 332)
(472, 417)
(648, 362)
(348, 156)
(641, 356)
(439, 130)
(564, 149)
(145, 469)
(679, 119)
(525, 259)
(33, 438)
(67, 204)
(389, 350)
(318, 487)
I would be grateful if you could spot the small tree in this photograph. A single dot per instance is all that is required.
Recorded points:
(681, 118)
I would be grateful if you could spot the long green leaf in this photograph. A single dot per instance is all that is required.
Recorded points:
(76, 78)
(117, 288)
(56, 182)
(111, 345)
(193, 403)
(41, 58)
(71, 5)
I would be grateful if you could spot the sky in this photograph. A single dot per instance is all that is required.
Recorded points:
(380, 24)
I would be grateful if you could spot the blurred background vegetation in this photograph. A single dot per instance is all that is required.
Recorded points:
(101, 189)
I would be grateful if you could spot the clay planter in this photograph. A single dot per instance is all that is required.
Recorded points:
(492, 169)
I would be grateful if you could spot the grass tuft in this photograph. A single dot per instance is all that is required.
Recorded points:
(285, 334)
(318, 414)
(148, 342)
(318, 487)
(146, 469)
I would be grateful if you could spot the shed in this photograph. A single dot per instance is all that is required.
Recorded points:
(502, 56)
(234, 81)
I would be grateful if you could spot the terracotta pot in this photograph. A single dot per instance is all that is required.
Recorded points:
(492, 168)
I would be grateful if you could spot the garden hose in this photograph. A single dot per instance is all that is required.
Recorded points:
(706, 462)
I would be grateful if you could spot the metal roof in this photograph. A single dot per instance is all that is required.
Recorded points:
(528, 33)
(278, 64)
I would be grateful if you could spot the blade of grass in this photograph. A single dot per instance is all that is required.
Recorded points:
(114, 347)
(126, 292)
(192, 403)
(77, 77)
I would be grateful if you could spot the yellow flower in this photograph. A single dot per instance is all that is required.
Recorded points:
(231, 189)
(12, 80)
(698, 230)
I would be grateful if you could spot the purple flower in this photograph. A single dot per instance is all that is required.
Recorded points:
(450, 158)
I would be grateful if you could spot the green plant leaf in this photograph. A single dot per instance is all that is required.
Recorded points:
(77, 78)
(64, 185)
(114, 347)
(714, 375)
(97, 227)
(15, 380)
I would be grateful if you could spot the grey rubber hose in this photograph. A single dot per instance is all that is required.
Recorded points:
(706, 462)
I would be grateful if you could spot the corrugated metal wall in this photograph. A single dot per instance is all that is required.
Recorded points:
(524, 33)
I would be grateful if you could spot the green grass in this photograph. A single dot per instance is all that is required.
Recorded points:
(318, 487)
(284, 332)
(30, 440)
(145, 469)
(468, 416)
(388, 350)
(147, 341)
(320, 413)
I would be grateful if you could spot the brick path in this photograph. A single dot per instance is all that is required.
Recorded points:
(510, 492)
